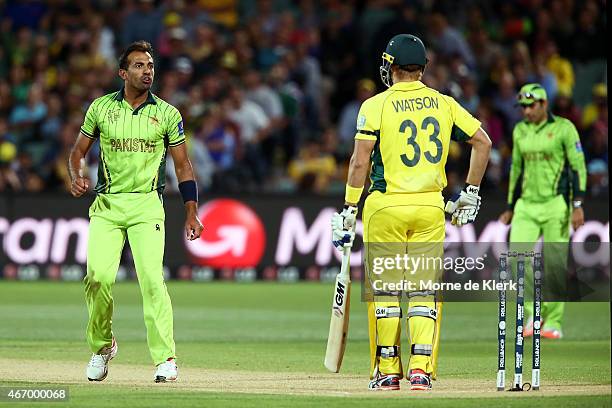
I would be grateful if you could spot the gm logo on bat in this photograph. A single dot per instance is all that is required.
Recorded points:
(339, 294)
(233, 236)
(339, 299)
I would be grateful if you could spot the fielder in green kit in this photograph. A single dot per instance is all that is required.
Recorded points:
(135, 129)
(547, 178)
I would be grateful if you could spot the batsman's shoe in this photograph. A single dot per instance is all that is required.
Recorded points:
(166, 371)
(389, 382)
(97, 369)
(554, 334)
(419, 380)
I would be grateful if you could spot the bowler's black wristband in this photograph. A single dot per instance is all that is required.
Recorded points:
(189, 190)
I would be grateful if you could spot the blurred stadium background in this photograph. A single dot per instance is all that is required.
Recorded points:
(269, 91)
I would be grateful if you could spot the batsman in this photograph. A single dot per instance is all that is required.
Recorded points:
(402, 140)
(546, 190)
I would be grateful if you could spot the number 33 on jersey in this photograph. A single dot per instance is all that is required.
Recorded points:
(412, 126)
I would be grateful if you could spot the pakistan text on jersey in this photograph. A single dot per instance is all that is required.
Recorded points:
(132, 144)
(413, 104)
(528, 156)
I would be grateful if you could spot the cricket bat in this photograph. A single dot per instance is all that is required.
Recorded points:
(338, 326)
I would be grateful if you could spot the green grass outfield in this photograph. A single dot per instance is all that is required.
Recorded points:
(262, 344)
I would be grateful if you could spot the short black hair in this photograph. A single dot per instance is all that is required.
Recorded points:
(411, 68)
(142, 45)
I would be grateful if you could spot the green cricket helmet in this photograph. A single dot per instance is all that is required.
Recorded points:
(403, 49)
(531, 93)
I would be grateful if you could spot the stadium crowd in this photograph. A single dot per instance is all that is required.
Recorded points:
(270, 89)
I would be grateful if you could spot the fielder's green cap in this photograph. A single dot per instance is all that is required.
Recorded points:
(531, 93)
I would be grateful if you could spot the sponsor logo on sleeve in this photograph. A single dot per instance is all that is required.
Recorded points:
(578, 147)
(361, 121)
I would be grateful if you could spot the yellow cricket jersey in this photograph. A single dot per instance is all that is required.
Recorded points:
(412, 126)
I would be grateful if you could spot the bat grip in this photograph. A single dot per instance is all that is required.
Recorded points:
(345, 268)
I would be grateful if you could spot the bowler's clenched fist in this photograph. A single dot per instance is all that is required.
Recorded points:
(79, 186)
(193, 227)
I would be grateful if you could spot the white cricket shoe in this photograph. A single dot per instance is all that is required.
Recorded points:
(383, 382)
(166, 371)
(97, 369)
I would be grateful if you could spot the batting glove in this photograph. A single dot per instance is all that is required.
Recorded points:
(343, 227)
(464, 206)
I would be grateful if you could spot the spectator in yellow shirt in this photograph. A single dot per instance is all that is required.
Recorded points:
(593, 110)
(561, 67)
(313, 169)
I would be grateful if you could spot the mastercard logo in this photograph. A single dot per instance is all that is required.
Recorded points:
(233, 236)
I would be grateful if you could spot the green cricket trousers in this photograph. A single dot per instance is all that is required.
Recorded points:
(140, 217)
(549, 220)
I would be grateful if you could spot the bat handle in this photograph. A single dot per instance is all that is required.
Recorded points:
(346, 264)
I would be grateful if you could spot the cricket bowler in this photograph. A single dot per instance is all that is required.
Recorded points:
(402, 140)
(135, 129)
(546, 190)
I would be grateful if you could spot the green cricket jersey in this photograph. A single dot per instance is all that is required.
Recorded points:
(547, 160)
(133, 142)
